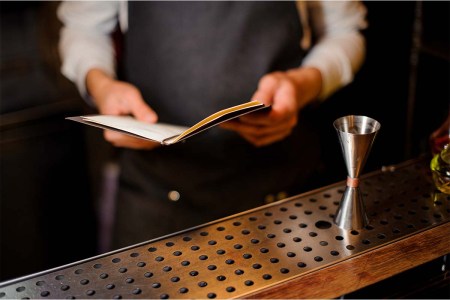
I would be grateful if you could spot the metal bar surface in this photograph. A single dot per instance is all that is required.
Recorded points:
(251, 251)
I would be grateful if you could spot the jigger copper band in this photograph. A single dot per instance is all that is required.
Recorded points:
(352, 182)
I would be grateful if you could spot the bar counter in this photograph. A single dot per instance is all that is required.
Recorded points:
(287, 249)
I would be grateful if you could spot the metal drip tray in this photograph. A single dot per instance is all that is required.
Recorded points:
(253, 250)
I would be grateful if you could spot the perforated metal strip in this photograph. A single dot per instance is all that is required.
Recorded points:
(252, 250)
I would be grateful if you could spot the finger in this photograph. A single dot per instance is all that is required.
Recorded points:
(126, 141)
(267, 86)
(141, 110)
(257, 130)
(259, 141)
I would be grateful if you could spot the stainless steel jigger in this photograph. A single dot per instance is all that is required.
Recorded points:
(356, 135)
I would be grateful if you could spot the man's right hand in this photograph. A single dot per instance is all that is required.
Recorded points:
(114, 97)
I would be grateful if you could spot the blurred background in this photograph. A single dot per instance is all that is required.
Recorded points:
(57, 177)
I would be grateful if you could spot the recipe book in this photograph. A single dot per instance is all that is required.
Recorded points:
(163, 133)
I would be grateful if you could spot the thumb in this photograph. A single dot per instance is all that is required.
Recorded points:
(267, 87)
(142, 111)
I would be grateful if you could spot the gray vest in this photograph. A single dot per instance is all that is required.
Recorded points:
(190, 59)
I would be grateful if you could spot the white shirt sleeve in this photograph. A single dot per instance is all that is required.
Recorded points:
(339, 50)
(85, 40)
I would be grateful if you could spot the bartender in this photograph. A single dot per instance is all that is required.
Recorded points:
(182, 61)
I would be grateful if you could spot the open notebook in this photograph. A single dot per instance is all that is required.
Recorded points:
(166, 134)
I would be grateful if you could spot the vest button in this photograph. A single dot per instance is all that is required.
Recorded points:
(173, 196)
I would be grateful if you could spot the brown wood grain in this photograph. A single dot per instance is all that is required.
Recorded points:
(365, 269)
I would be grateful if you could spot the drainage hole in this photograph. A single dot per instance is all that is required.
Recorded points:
(396, 230)
(318, 258)
(366, 242)
(248, 282)
(307, 249)
(137, 291)
(284, 270)
(2, 294)
(354, 232)
(292, 217)
(229, 237)
(156, 285)
(264, 250)
(159, 258)
(268, 214)
(177, 253)
(152, 249)
(163, 296)
(141, 264)
(369, 227)
(195, 248)
(238, 246)
(45, 293)
(169, 244)
(384, 222)
(247, 255)
(281, 245)
(202, 284)
(193, 273)
(187, 238)
(350, 247)
(203, 257)
(103, 276)
(123, 270)
(301, 264)
(262, 227)
(297, 239)
(437, 216)
(323, 243)
(221, 278)
(277, 222)
(167, 269)
(220, 228)
(183, 290)
(254, 241)
(287, 230)
(334, 253)
(204, 233)
(84, 281)
(211, 295)
(410, 226)
(40, 283)
(212, 267)
(239, 272)
(339, 238)
(59, 277)
(424, 221)
(253, 218)
(89, 293)
(175, 279)
(230, 289)
(148, 274)
(65, 287)
(117, 297)
(129, 280)
(220, 252)
(312, 200)
(312, 234)
(398, 217)
(308, 212)
(212, 242)
(229, 261)
(302, 225)
(267, 276)
(256, 266)
(322, 207)
(110, 286)
(116, 260)
(271, 235)
(290, 254)
(20, 289)
(245, 231)
(185, 263)
(274, 260)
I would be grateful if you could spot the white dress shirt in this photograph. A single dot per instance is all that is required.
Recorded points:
(338, 52)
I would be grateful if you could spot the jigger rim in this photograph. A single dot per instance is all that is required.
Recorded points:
(339, 122)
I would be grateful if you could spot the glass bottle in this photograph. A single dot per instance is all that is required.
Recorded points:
(440, 167)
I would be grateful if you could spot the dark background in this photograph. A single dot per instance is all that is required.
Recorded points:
(52, 171)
